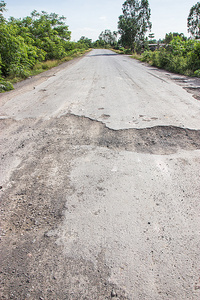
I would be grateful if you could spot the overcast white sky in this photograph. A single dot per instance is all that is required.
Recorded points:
(90, 17)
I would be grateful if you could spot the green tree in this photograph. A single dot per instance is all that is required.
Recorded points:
(99, 44)
(169, 37)
(108, 37)
(17, 57)
(134, 22)
(193, 21)
(85, 41)
(47, 32)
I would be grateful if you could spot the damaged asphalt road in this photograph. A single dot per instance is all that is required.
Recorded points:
(100, 186)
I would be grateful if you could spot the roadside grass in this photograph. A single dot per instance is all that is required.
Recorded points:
(122, 50)
(44, 66)
(136, 56)
(118, 51)
(6, 84)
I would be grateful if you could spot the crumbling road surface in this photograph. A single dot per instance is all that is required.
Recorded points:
(100, 183)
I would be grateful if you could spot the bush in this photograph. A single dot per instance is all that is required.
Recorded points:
(5, 85)
(146, 56)
(177, 64)
(128, 51)
(197, 73)
(179, 56)
(46, 65)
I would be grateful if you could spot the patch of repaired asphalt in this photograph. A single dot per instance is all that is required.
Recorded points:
(34, 199)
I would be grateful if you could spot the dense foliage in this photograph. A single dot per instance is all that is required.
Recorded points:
(24, 43)
(180, 56)
(134, 23)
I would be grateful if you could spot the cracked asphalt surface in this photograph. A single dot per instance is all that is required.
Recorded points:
(99, 183)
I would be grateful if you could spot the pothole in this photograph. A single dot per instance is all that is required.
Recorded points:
(155, 140)
(194, 90)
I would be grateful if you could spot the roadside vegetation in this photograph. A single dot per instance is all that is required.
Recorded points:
(33, 44)
(180, 56)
